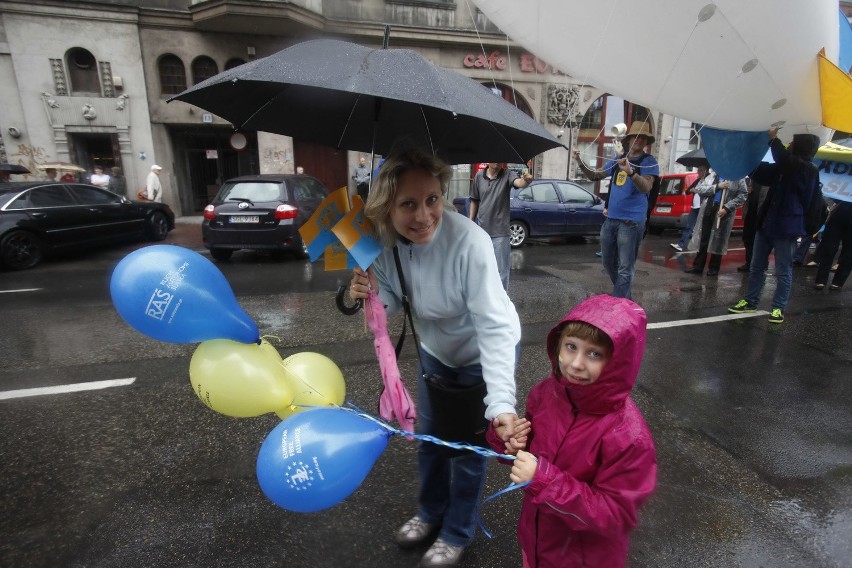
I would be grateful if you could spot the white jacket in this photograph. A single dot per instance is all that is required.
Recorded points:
(461, 313)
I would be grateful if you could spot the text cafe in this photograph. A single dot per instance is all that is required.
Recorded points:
(527, 62)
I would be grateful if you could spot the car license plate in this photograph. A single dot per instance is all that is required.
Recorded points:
(245, 219)
(664, 209)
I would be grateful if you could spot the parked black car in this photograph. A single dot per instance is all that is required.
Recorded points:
(550, 208)
(37, 218)
(261, 212)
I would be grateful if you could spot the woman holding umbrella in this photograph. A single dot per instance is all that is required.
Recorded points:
(467, 327)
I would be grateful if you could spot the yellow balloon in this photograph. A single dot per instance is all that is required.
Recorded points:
(239, 379)
(270, 349)
(316, 381)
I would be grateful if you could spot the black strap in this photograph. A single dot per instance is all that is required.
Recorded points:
(406, 306)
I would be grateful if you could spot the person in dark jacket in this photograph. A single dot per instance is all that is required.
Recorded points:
(838, 233)
(591, 461)
(792, 180)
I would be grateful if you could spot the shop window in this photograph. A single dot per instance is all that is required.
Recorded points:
(235, 62)
(172, 75)
(82, 71)
(203, 68)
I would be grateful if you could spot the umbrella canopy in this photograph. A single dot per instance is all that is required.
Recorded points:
(13, 169)
(62, 166)
(693, 159)
(358, 98)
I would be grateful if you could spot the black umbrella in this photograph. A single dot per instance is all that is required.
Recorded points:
(694, 159)
(13, 169)
(358, 98)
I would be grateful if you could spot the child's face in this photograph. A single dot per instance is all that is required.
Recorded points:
(581, 362)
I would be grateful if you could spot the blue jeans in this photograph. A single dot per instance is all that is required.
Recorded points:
(450, 488)
(690, 225)
(783, 268)
(620, 241)
(503, 254)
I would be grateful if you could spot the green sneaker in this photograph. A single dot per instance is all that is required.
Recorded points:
(776, 316)
(743, 307)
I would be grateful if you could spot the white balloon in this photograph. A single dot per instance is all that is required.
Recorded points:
(732, 64)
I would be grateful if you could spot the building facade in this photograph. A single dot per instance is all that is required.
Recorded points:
(88, 83)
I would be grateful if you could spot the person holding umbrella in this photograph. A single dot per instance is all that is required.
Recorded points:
(703, 173)
(468, 331)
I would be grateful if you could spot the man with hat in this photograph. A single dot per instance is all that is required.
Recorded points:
(152, 185)
(633, 174)
(792, 181)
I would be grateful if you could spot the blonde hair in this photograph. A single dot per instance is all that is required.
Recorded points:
(586, 332)
(384, 190)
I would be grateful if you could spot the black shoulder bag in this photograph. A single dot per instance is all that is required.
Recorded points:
(458, 412)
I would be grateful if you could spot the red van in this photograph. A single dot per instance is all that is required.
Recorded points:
(674, 203)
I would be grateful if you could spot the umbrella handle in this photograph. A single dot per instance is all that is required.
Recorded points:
(341, 304)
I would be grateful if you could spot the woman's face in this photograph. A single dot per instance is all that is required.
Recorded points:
(417, 208)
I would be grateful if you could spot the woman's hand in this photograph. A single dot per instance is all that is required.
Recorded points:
(524, 467)
(361, 284)
(504, 425)
(518, 440)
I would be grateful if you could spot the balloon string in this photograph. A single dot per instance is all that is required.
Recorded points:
(511, 487)
(484, 452)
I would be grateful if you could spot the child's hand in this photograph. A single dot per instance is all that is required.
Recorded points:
(523, 468)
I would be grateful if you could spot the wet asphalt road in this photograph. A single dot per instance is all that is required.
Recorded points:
(752, 422)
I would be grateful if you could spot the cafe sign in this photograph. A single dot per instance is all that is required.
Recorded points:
(527, 62)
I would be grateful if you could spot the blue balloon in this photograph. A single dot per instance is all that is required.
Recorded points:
(174, 294)
(733, 154)
(315, 459)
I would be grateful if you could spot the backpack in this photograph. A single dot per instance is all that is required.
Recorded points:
(816, 211)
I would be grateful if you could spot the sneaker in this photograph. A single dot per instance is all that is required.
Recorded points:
(676, 246)
(834, 287)
(599, 254)
(442, 554)
(414, 531)
(743, 268)
(776, 316)
(819, 285)
(742, 307)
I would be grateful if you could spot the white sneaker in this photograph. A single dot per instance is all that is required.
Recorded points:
(676, 246)
(442, 554)
(414, 531)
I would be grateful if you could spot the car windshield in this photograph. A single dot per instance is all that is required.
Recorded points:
(253, 191)
(670, 186)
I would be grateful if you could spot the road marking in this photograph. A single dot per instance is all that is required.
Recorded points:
(61, 389)
(699, 321)
(21, 290)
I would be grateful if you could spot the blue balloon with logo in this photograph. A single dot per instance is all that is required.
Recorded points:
(315, 459)
(176, 295)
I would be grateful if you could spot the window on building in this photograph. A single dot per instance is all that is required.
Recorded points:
(235, 62)
(593, 119)
(203, 68)
(172, 75)
(82, 71)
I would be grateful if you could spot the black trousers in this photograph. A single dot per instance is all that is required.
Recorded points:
(838, 233)
(363, 190)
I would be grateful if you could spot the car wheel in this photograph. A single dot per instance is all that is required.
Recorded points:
(221, 254)
(20, 250)
(518, 233)
(158, 226)
(302, 249)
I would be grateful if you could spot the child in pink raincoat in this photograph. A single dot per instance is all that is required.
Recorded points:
(591, 461)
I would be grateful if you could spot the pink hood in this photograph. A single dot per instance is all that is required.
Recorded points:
(624, 322)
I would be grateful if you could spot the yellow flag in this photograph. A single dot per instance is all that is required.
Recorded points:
(836, 93)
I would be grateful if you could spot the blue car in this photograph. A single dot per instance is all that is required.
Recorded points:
(550, 208)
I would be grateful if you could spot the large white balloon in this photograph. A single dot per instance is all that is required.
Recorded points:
(733, 64)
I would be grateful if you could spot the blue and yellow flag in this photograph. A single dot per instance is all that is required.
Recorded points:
(316, 232)
(835, 87)
(358, 235)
